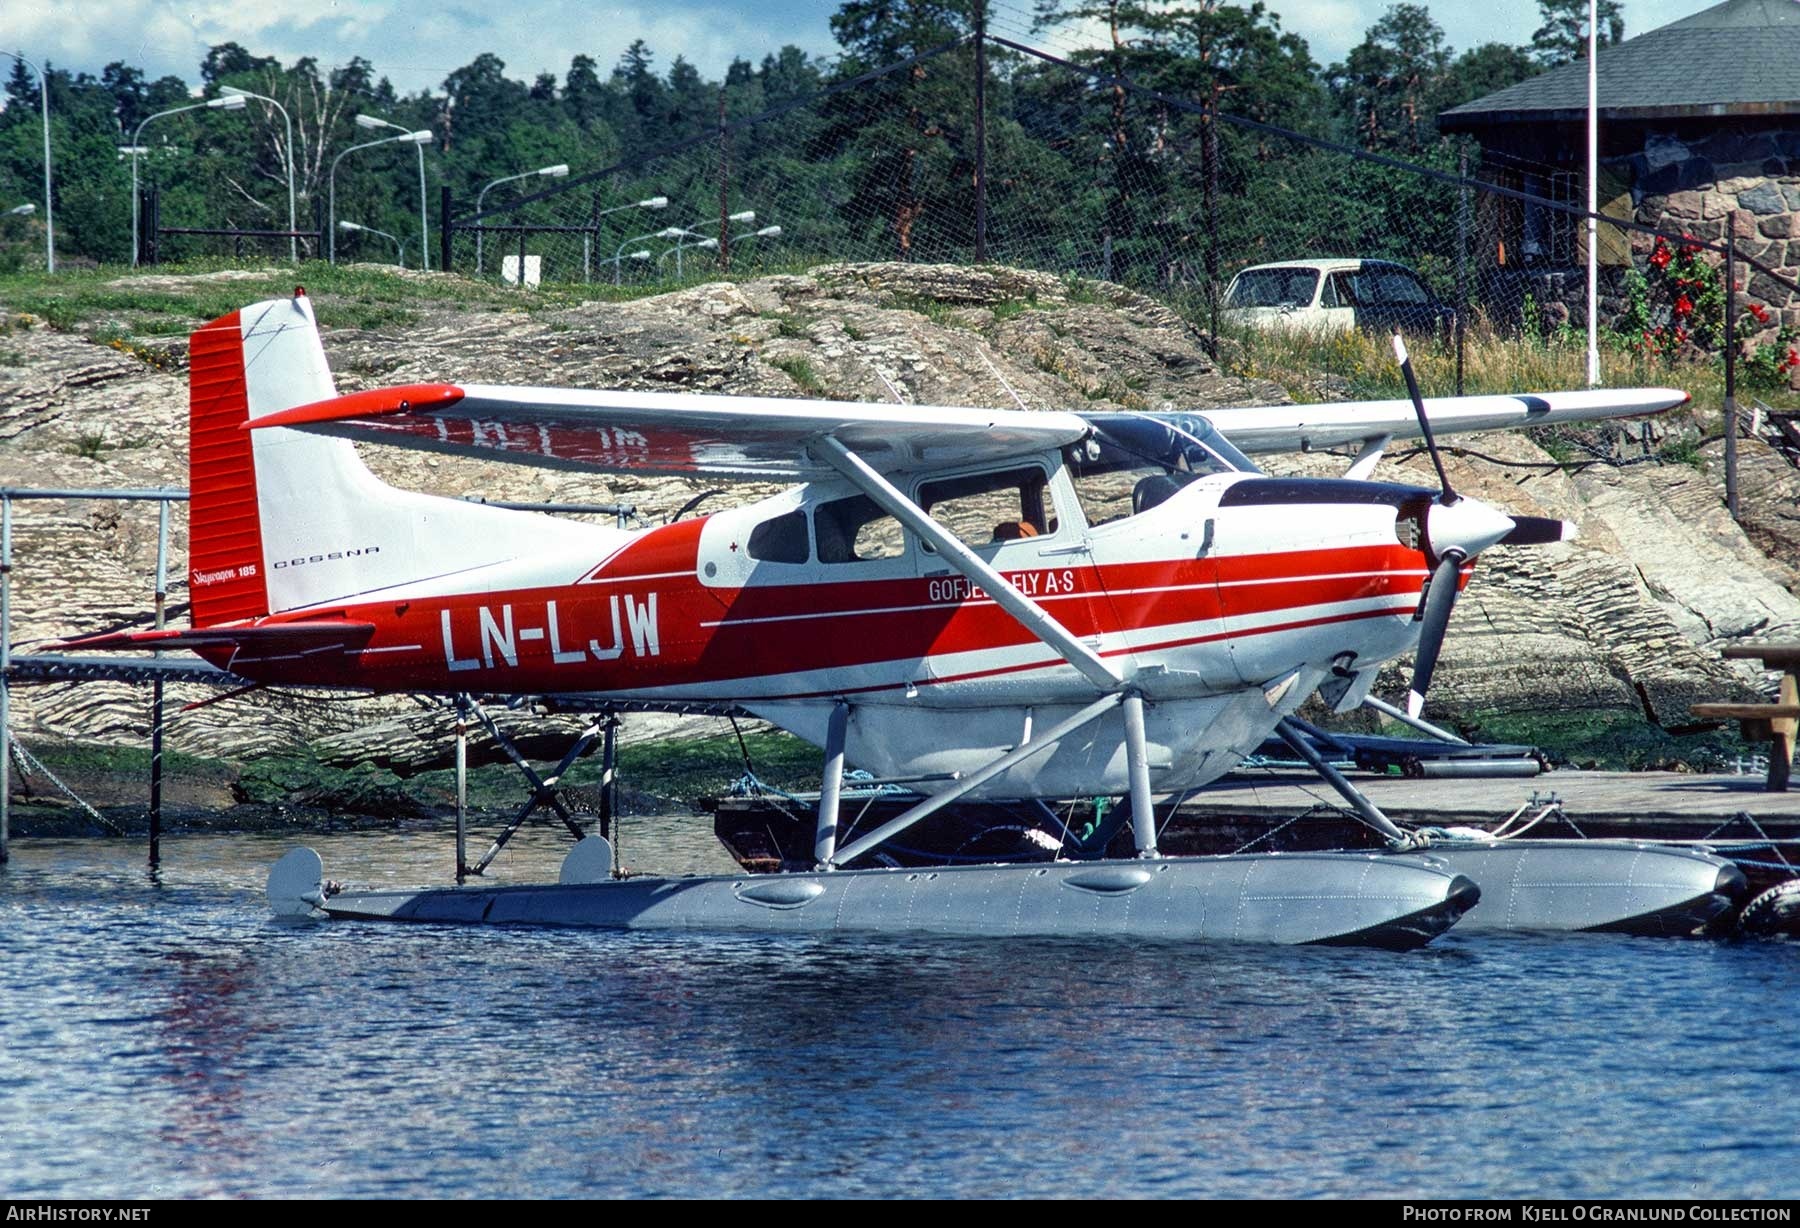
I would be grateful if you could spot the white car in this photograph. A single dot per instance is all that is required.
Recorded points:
(1334, 296)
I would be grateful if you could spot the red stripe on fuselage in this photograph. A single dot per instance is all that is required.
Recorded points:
(644, 620)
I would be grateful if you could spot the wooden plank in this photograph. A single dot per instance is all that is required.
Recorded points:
(1744, 712)
(1775, 656)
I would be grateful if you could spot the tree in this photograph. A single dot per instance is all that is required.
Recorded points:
(1484, 69)
(877, 32)
(231, 59)
(1389, 84)
(1562, 38)
(584, 97)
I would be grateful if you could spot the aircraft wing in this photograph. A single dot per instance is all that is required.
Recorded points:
(685, 434)
(1290, 428)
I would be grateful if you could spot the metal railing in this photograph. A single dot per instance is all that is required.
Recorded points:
(50, 667)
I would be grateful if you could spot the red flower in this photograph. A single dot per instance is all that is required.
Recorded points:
(1684, 306)
(1760, 312)
(1661, 256)
(1690, 246)
(1680, 334)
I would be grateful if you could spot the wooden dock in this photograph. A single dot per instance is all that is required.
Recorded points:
(1641, 803)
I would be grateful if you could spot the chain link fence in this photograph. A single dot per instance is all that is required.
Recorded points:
(986, 149)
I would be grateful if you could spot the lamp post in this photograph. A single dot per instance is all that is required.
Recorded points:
(366, 120)
(287, 158)
(702, 245)
(654, 202)
(748, 215)
(399, 244)
(548, 172)
(21, 211)
(225, 102)
(49, 212)
(641, 255)
(420, 138)
(672, 232)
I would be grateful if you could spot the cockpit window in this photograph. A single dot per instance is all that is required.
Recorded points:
(781, 539)
(986, 508)
(1133, 462)
(856, 530)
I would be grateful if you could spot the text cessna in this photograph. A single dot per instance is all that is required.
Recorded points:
(493, 636)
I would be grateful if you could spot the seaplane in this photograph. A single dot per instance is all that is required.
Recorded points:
(975, 602)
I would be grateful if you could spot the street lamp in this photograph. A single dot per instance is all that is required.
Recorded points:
(226, 102)
(654, 202)
(21, 211)
(399, 244)
(421, 138)
(49, 218)
(366, 120)
(702, 245)
(287, 158)
(670, 233)
(549, 172)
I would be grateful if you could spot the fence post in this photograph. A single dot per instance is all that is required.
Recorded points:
(724, 189)
(445, 242)
(156, 687)
(5, 669)
(1462, 259)
(1731, 416)
(980, 131)
(149, 219)
(319, 232)
(1209, 154)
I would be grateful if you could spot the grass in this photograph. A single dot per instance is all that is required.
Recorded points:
(70, 758)
(1621, 741)
(112, 303)
(88, 445)
(667, 773)
(1493, 362)
(801, 372)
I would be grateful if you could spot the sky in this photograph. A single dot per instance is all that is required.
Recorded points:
(417, 44)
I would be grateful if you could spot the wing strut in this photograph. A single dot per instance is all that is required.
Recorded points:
(968, 784)
(1029, 614)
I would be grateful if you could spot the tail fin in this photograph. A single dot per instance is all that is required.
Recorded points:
(284, 520)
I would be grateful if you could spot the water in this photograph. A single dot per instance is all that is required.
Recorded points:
(167, 1039)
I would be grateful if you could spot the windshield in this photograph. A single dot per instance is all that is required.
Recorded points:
(1133, 462)
(1376, 284)
(1272, 288)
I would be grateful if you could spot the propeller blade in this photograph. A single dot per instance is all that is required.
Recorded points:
(1445, 495)
(1434, 616)
(1538, 531)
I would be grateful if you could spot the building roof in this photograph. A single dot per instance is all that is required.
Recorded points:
(1738, 58)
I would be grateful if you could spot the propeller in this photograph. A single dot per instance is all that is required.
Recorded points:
(1456, 529)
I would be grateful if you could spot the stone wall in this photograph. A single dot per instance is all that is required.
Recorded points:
(1694, 186)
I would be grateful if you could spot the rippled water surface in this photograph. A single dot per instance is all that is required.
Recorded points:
(166, 1038)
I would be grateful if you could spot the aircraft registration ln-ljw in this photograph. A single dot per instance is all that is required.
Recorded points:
(1029, 604)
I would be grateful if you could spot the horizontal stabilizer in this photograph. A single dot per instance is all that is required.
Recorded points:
(269, 637)
(688, 434)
